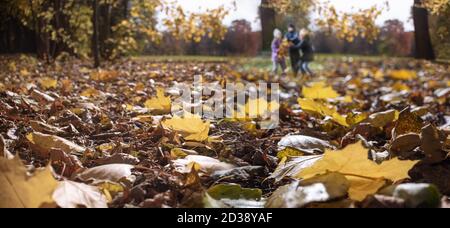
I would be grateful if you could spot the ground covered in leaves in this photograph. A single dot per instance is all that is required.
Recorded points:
(359, 134)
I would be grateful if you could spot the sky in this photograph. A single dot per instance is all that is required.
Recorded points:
(248, 9)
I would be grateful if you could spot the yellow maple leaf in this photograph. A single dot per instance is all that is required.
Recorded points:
(322, 109)
(319, 90)
(160, 104)
(91, 92)
(365, 176)
(48, 83)
(191, 127)
(403, 74)
(18, 190)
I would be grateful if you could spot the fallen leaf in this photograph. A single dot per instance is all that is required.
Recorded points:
(118, 158)
(43, 143)
(90, 92)
(289, 167)
(71, 194)
(304, 144)
(159, 104)
(104, 76)
(381, 119)
(112, 172)
(207, 164)
(48, 83)
(407, 122)
(192, 128)
(365, 176)
(322, 109)
(403, 74)
(18, 190)
(321, 188)
(404, 144)
(319, 90)
(431, 145)
(232, 196)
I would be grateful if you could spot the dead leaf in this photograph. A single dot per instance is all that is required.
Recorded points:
(43, 143)
(192, 128)
(304, 144)
(407, 122)
(432, 145)
(206, 164)
(19, 190)
(159, 104)
(365, 176)
(381, 119)
(71, 194)
(322, 188)
(404, 144)
(112, 172)
(319, 90)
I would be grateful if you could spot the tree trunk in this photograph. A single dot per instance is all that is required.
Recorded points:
(424, 48)
(268, 24)
(95, 37)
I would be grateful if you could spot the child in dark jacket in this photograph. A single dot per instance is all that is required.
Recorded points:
(278, 58)
(294, 52)
(305, 46)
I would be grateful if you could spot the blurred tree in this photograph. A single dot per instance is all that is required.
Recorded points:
(394, 40)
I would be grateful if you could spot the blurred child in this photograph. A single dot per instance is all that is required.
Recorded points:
(307, 50)
(278, 52)
(294, 52)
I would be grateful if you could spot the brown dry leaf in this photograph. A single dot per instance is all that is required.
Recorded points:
(407, 122)
(431, 145)
(45, 128)
(366, 177)
(19, 190)
(118, 158)
(71, 194)
(404, 144)
(43, 143)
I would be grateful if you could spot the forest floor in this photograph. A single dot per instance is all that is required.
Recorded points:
(364, 132)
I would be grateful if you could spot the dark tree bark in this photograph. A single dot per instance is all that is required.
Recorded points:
(424, 47)
(268, 24)
(95, 37)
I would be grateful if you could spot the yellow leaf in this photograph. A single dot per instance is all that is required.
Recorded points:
(104, 76)
(91, 92)
(18, 190)
(352, 162)
(160, 104)
(192, 127)
(25, 73)
(322, 109)
(360, 188)
(398, 86)
(319, 90)
(48, 83)
(403, 74)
